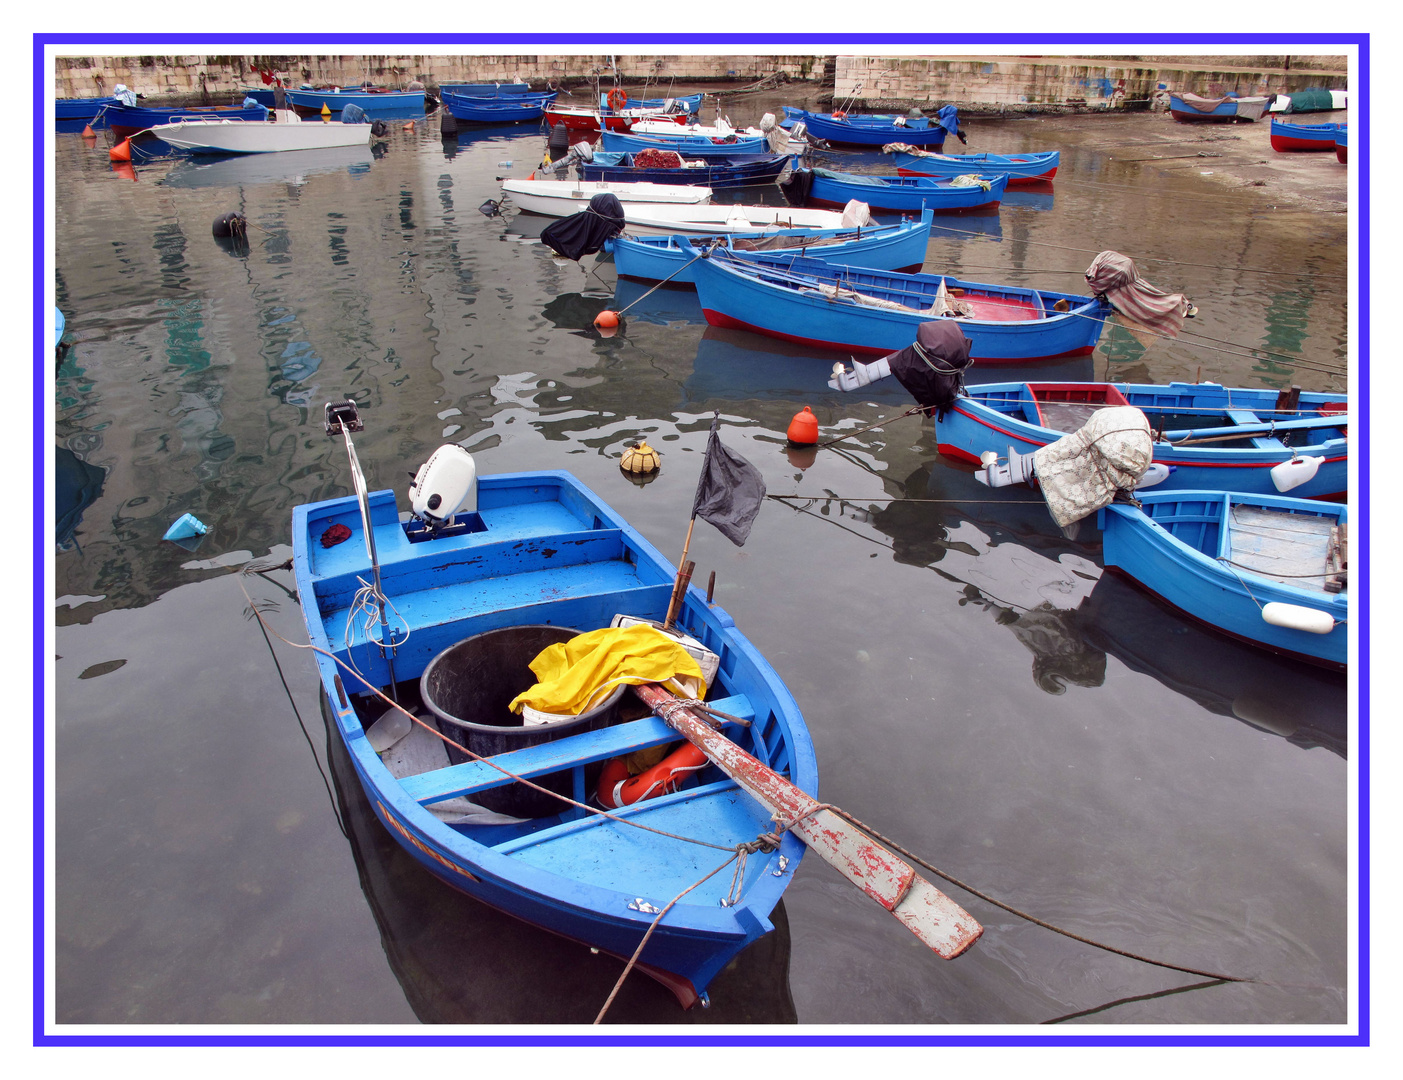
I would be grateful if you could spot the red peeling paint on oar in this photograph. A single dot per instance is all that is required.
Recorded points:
(922, 908)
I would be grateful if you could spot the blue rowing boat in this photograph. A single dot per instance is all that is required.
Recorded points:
(81, 108)
(854, 129)
(690, 146)
(1209, 436)
(511, 110)
(127, 120)
(742, 170)
(372, 99)
(1265, 569)
(537, 559)
(901, 194)
(688, 103)
(488, 90)
(1020, 169)
(900, 246)
(1342, 145)
(1286, 136)
(447, 642)
(1190, 108)
(857, 310)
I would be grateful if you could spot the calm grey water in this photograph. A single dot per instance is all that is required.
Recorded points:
(977, 690)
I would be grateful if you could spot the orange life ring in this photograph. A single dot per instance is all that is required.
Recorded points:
(617, 788)
(617, 99)
(840, 115)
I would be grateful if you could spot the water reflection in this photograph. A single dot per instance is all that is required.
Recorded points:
(242, 170)
(738, 365)
(462, 962)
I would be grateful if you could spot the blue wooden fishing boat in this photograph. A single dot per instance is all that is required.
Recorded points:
(742, 170)
(488, 90)
(373, 100)
(900, 246)
(423, 627)
(690, 146)
(1210, 436)
(853, 129)
(127, 120)
(1342, 145)
(81, 108)
(1286, 136)
(1190, 108)
(904, 194)
(1264, 569)
(1020, 169)
(617, 100)
(857, 310)
(483, 110)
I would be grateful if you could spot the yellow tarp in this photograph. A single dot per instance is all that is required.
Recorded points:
(580, 673)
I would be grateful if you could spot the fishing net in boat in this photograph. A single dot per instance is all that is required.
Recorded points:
(657, 159)
(1142, 306)
(1084, 471)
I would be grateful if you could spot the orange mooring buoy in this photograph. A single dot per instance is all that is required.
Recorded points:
(607, 318)
(122, 151)
(803, 429)
(88, 132)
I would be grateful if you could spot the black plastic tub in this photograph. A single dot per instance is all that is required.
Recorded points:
(469, 687)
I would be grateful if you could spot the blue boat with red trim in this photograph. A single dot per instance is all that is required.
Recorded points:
(1020, 169)
(899, 194)
(740, 170)
(128, 120)
(1287, 137)
(1209, 436)
(857, 310)
(876, 129)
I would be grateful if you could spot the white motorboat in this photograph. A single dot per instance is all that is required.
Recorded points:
(739, 218)
(561, 198)
(261, 137)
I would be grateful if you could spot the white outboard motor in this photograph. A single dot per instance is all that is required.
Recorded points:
(445, 485)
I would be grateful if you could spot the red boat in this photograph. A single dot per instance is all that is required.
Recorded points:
(585, 120)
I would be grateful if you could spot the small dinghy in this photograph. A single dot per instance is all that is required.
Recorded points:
(640, 819)
(1265, 569)
(561, 198)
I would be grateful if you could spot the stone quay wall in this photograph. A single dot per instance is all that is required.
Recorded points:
(983, 83)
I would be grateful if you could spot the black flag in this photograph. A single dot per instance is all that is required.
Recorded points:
(730, 490)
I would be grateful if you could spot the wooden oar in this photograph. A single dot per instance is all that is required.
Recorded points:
(924, 910)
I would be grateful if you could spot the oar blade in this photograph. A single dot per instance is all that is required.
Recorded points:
(936, 919)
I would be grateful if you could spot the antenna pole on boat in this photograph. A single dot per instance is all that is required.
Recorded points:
(342, 418)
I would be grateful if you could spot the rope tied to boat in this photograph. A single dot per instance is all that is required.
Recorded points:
(715, 717)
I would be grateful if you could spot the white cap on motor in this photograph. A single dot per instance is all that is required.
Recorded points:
(445, 485)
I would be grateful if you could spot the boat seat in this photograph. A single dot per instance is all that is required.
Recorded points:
(472, 777)
(1261, 442)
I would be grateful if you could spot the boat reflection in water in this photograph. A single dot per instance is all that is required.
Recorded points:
(737, 365)
(1052, 595)
(242, 170)
(462, 962)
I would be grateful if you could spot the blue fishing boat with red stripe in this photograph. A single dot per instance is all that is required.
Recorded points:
(874, 129)
(1287, 137)
(671, 167)
(1209, 436)
(856, 310)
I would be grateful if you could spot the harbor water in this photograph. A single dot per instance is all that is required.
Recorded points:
(977, 689)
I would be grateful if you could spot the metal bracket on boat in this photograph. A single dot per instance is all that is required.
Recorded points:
(1016, 469)
(342, 416)
(639, 904)
(783, 866)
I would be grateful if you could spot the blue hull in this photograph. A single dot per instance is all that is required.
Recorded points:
(904, 194)
(399, 102)
(549, 551)
(689, 146)
(889, 247)
(1180, 547)
(516, 110)
(488, 90)
(1017, 168)
(780, 297)
(1286, 136)
(738, 172)
(869, 130)
(127, 119)
(996, 416)
(80, 108)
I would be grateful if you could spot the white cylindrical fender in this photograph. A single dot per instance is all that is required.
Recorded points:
(1296, 617)
(1157, 473)
(1294, 473)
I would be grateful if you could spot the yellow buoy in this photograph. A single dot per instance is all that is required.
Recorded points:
(640, 458)
(326, 110)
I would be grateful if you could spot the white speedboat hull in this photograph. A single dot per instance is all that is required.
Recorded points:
(258, 137)
(561, 198)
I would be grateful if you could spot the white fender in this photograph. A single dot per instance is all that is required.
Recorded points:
(1157, 473)
(1296, 617)
(1294, 473)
